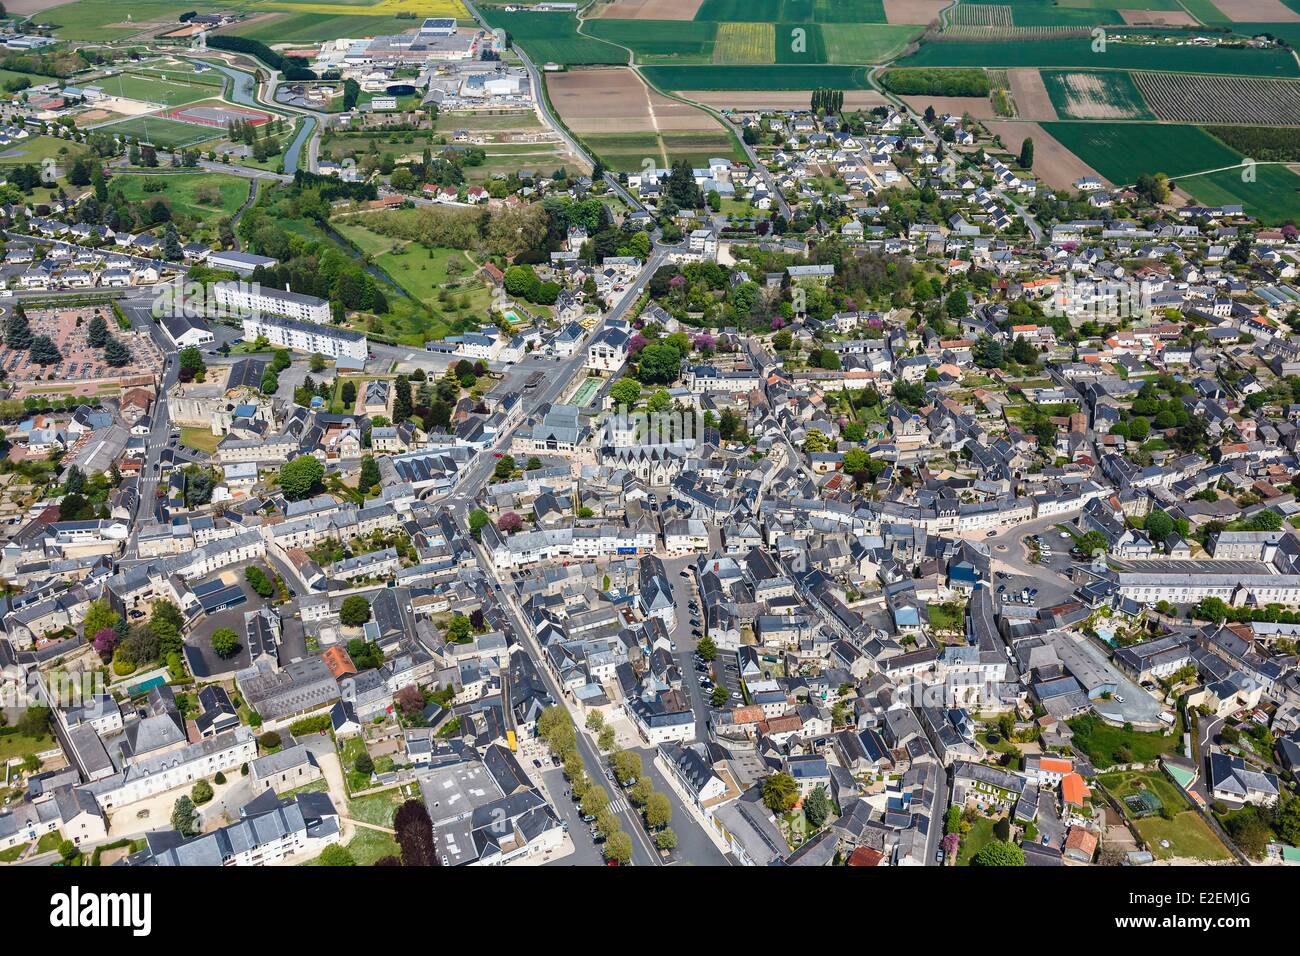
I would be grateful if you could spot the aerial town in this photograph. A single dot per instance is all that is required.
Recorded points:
(587, 434)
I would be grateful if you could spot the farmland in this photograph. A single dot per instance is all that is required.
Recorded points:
(1077, 53)
(866, 42)
(1273, 196)
(744, 43)
(778, 77)
(685, 41)
(1221, 99)
(306, 27)
(554, 37)
(1124, 151)
(1095, 95)
(793, 11)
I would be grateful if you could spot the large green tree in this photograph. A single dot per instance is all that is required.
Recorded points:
(301, 478)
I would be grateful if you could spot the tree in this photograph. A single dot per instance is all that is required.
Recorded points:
(301, 478)
(627, 766)
(184, 816)
(478, 520)
(594, 801)
(707, 649)
(355, 611)
(658, 811)
(225, 643)
(509, 522)
(1159, 526)
(780, 792)
(317, 362)
(68, 851)
(43, 351)
(607, 739)
(349, 393)
(410, 700)
(658, 364)
(719, 696)
(618, 846)
(414, 831)
(18, 334)
(97, 335)
(100, 615)
(201, 792)
(364, 764)
(505, 467)
(817, 808)
(1027, 154)
(625, 391)
(666, 839)
(369, 473)
(335, 855)
(999, 853)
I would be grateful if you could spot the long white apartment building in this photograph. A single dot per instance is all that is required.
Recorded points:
(243, 297)
(298, 336)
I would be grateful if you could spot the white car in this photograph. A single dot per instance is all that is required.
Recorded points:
(1119, 699)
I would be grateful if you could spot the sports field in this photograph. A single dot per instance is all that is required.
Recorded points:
(154, 89)
(163, 132)
(1124, 151)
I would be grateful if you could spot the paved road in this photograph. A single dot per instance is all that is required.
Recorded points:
(559, 376)
(551, 120)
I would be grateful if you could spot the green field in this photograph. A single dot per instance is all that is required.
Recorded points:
(200, 195)
(163, 132)
(1124, 151)
(686, 41)
(553, 37)
(779, 77)
(627, 151)
(793, 11)
(1078, 53)
(1273, 198)
(149, 89)
(107, 19)
(306, 27)
(34, 149)
(1111, 88)
(1106, 745)
(866, 42)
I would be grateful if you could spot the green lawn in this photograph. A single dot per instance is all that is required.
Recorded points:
(1187, 834)
(376, 809)
(201, 439)
(367, 846)
(15, 745)
(201, 195)
(1127, 783)
(34, 149)
(13, 853)
(981, 832)
(1102, 742)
